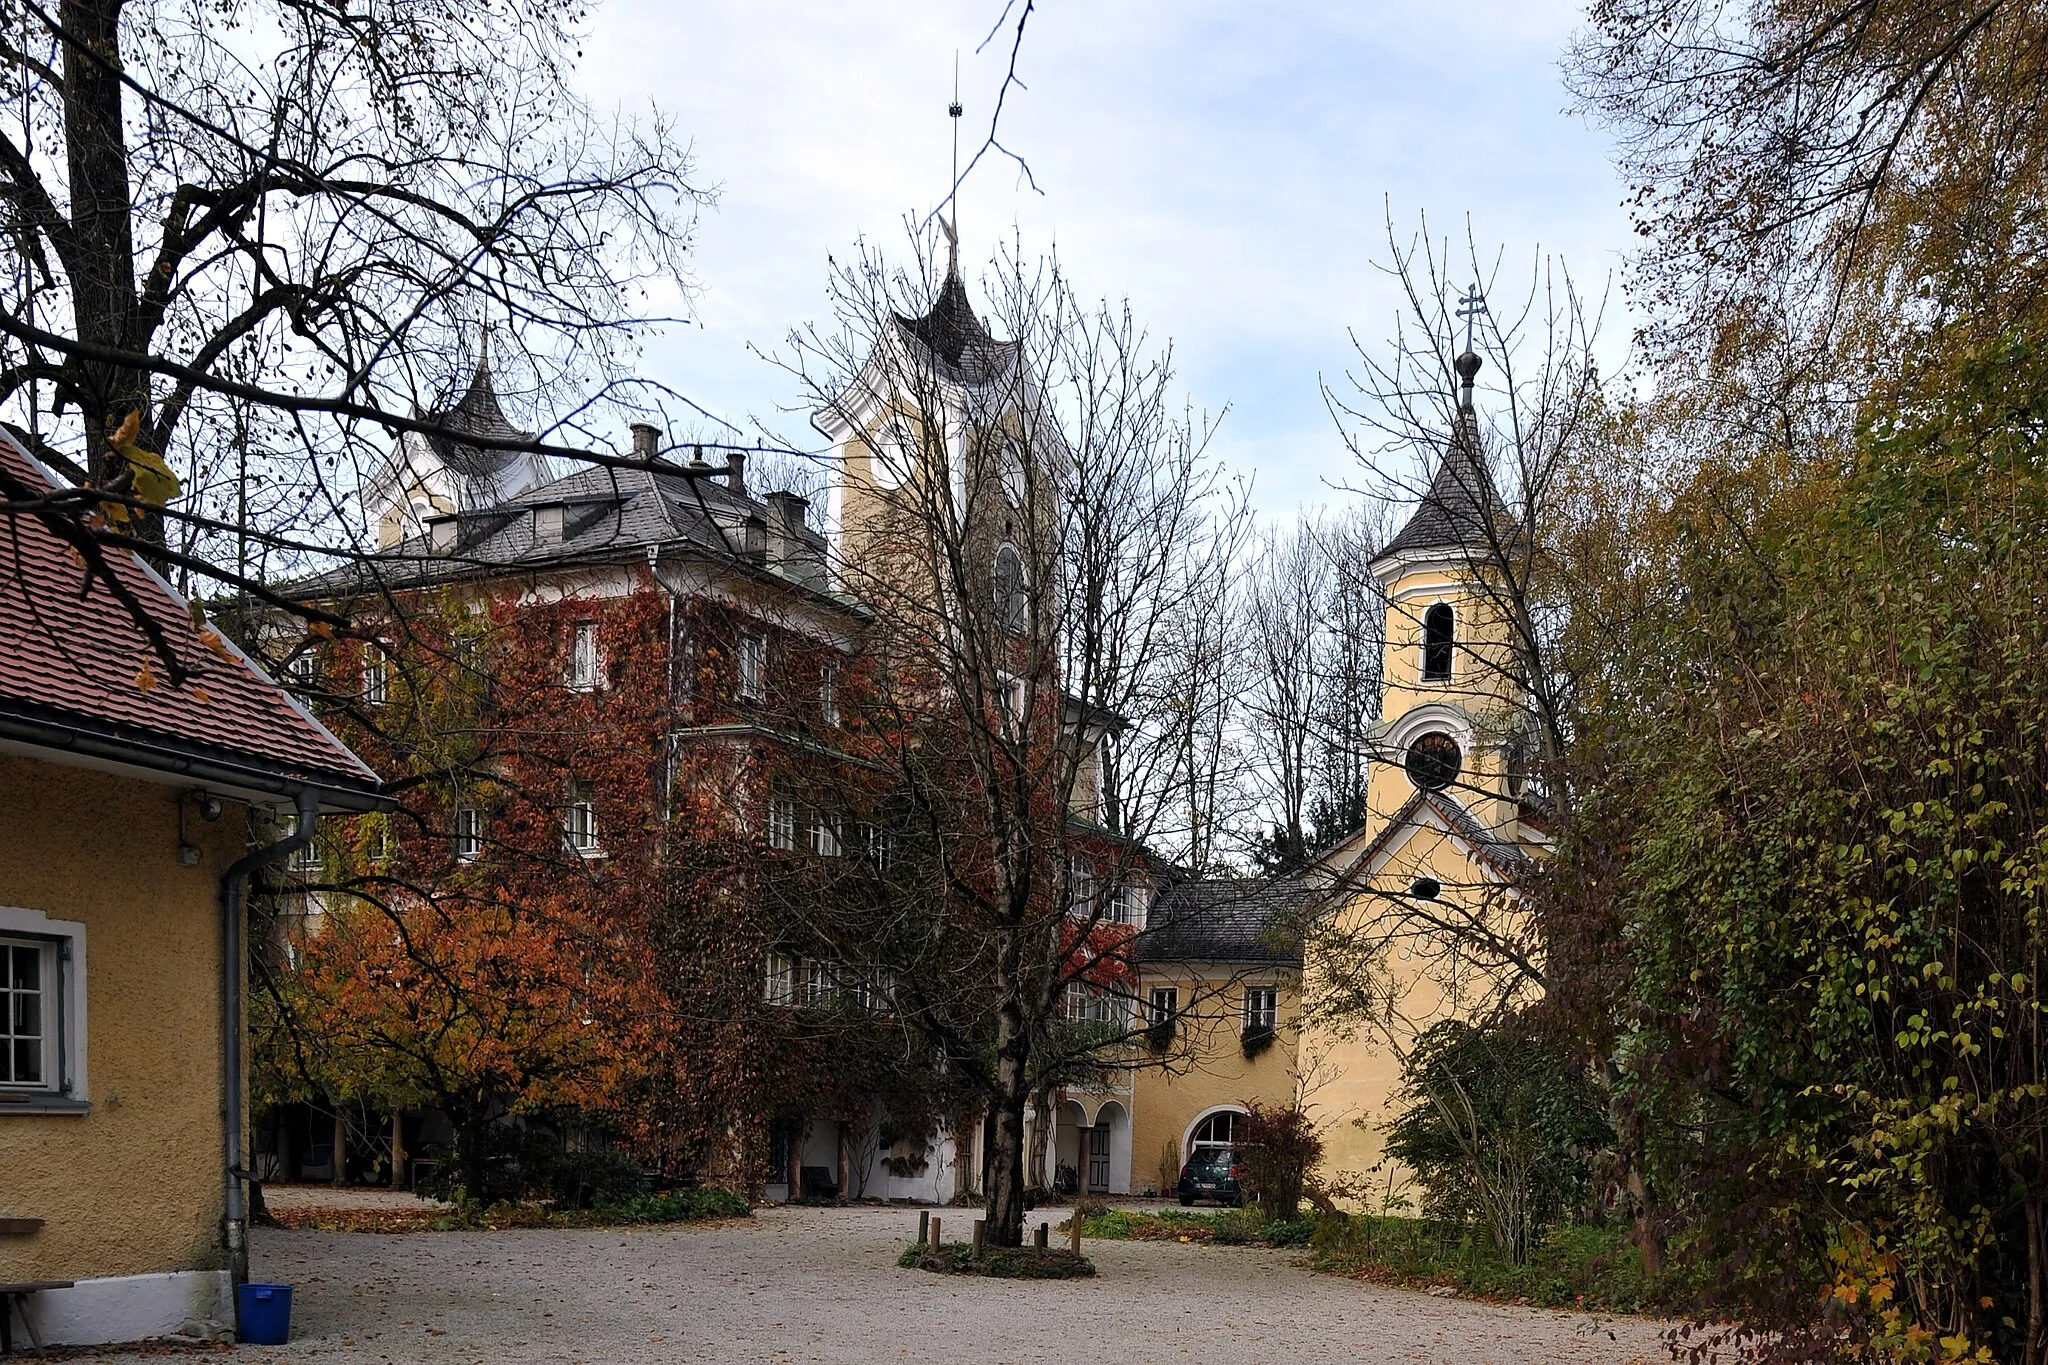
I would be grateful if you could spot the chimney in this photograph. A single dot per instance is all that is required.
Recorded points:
(646, 441)
(787, 548)
(736, 471)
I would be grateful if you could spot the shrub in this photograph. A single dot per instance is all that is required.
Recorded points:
(1500, 1130)
(1277, 1151)
(1234, 1228)
(1296, 1232)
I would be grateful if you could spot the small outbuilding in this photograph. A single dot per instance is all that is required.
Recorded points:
(148, 767)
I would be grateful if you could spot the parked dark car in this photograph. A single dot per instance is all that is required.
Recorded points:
(1211, 1173)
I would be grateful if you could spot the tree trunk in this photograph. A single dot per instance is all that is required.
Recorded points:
(473, 1160)
(106, 308)
(1003, 1205)
(2037, 1313)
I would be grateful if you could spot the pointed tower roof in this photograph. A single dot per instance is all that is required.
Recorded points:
(476, 413)
(954, 337)
(1461, 510)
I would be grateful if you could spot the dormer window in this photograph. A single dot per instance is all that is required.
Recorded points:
(1439, 640)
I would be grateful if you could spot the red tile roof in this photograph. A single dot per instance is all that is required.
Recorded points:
(74, 662)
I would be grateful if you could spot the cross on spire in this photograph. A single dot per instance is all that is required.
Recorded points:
(1471, 307)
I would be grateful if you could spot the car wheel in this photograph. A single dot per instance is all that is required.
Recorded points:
(1187, 1201)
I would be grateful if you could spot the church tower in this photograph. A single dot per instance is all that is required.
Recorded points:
(1450, 708)
(1435, 867)
(439, 474)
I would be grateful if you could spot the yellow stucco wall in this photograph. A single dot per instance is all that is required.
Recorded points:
(134, 1186)
(1207, 1067)
(1364, 1012)
(1351, 1070)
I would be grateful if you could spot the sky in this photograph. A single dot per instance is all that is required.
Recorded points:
(1229, 168)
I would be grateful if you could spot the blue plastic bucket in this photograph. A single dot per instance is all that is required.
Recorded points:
(263, 1314)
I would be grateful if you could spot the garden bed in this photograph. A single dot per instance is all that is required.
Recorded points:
(1001, 1263)
(1575, 1266)
(1229, 1227)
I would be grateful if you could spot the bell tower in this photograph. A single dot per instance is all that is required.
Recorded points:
(1449, 700)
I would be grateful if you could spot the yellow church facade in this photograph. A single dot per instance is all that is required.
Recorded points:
(1401, 903)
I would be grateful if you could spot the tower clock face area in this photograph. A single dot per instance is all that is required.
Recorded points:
(1434, 761)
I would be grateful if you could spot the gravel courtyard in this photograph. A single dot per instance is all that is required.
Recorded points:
(799, 1285)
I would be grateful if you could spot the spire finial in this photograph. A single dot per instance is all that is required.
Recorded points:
(951, 222)
(1471, 306)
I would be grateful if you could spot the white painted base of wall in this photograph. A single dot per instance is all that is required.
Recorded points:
(123, 1308)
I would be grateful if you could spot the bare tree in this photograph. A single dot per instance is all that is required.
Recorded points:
(249, 246)
(1313, 622)
(1029, 516)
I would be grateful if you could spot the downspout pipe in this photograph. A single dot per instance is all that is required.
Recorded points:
(233, 967)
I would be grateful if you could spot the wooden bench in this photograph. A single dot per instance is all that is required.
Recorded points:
(13, 1300)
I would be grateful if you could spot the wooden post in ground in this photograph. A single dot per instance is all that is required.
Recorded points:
(1042, 1237)
(980, 1232)
(397, 1150)
(340, 1153)
(924, 1227)
(936, 1232)
(1076, 1224)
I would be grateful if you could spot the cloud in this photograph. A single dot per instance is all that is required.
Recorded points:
(1226, 166)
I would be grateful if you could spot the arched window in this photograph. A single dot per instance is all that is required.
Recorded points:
(1013, 602)
(1439, 637)
(1218, 1130)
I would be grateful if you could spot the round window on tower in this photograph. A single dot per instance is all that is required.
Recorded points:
(1434, 761)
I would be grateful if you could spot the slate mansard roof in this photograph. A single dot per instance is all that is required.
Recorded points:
(1226, 920)
(607, 515)
(79, 678)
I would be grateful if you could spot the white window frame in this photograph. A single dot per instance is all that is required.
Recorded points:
(750, 666)
(306, 857)
(62, 943)
(1450, 645)
(782, 824)
(1014, 699)
(1085, 886)
(376, 674)
(824, 833)
(1262, 1008)
(303, 668)
(817, 981)
(466, 837)
(1012, 600)
(586, 660)
(778, 986)
(1134, 902)
(579, 821)
(878, 843)
(1155, 1016)
(828, 693)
